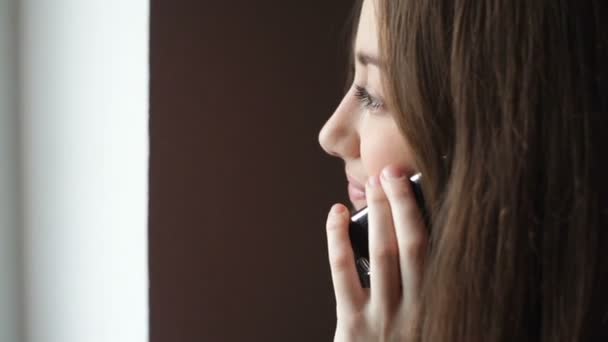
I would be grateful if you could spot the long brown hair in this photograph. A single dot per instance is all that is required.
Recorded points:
(514, 93)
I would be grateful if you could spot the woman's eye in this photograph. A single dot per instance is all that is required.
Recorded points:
(367, 100)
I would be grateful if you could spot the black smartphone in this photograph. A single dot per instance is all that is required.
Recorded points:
(359, 234)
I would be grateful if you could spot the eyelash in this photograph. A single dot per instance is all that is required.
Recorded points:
(367, 100)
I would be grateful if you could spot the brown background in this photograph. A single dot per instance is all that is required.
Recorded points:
(239, 187)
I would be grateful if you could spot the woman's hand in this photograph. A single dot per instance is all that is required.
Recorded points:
(397, 246)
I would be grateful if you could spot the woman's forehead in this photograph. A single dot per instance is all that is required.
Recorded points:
(367, 36)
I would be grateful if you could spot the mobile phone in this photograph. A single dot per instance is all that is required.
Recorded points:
(359, 234)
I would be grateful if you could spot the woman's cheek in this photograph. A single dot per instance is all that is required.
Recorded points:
(383, 147)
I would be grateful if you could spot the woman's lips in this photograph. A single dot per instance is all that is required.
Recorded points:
(354, 182)
(355, 193)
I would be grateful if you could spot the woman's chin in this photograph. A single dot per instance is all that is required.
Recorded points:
(358, 205)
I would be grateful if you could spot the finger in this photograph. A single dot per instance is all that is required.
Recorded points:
(383, 249)
(349, 293)
(412, 235)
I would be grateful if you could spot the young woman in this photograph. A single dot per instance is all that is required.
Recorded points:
(502, 106)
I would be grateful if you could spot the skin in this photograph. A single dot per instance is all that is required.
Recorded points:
(367, 139)
(373, 149)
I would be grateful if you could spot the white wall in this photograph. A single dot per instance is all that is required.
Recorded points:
(9, 189)
(82, 128)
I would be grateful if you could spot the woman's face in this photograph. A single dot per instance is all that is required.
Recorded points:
(362, 130)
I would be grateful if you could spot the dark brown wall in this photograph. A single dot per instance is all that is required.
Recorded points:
(239, 187)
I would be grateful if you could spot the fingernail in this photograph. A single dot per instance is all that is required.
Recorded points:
(392, 172)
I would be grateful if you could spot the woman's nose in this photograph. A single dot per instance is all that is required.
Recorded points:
(338, 137)
(327, 139)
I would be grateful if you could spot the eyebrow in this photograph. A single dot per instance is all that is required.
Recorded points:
(366, 58)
